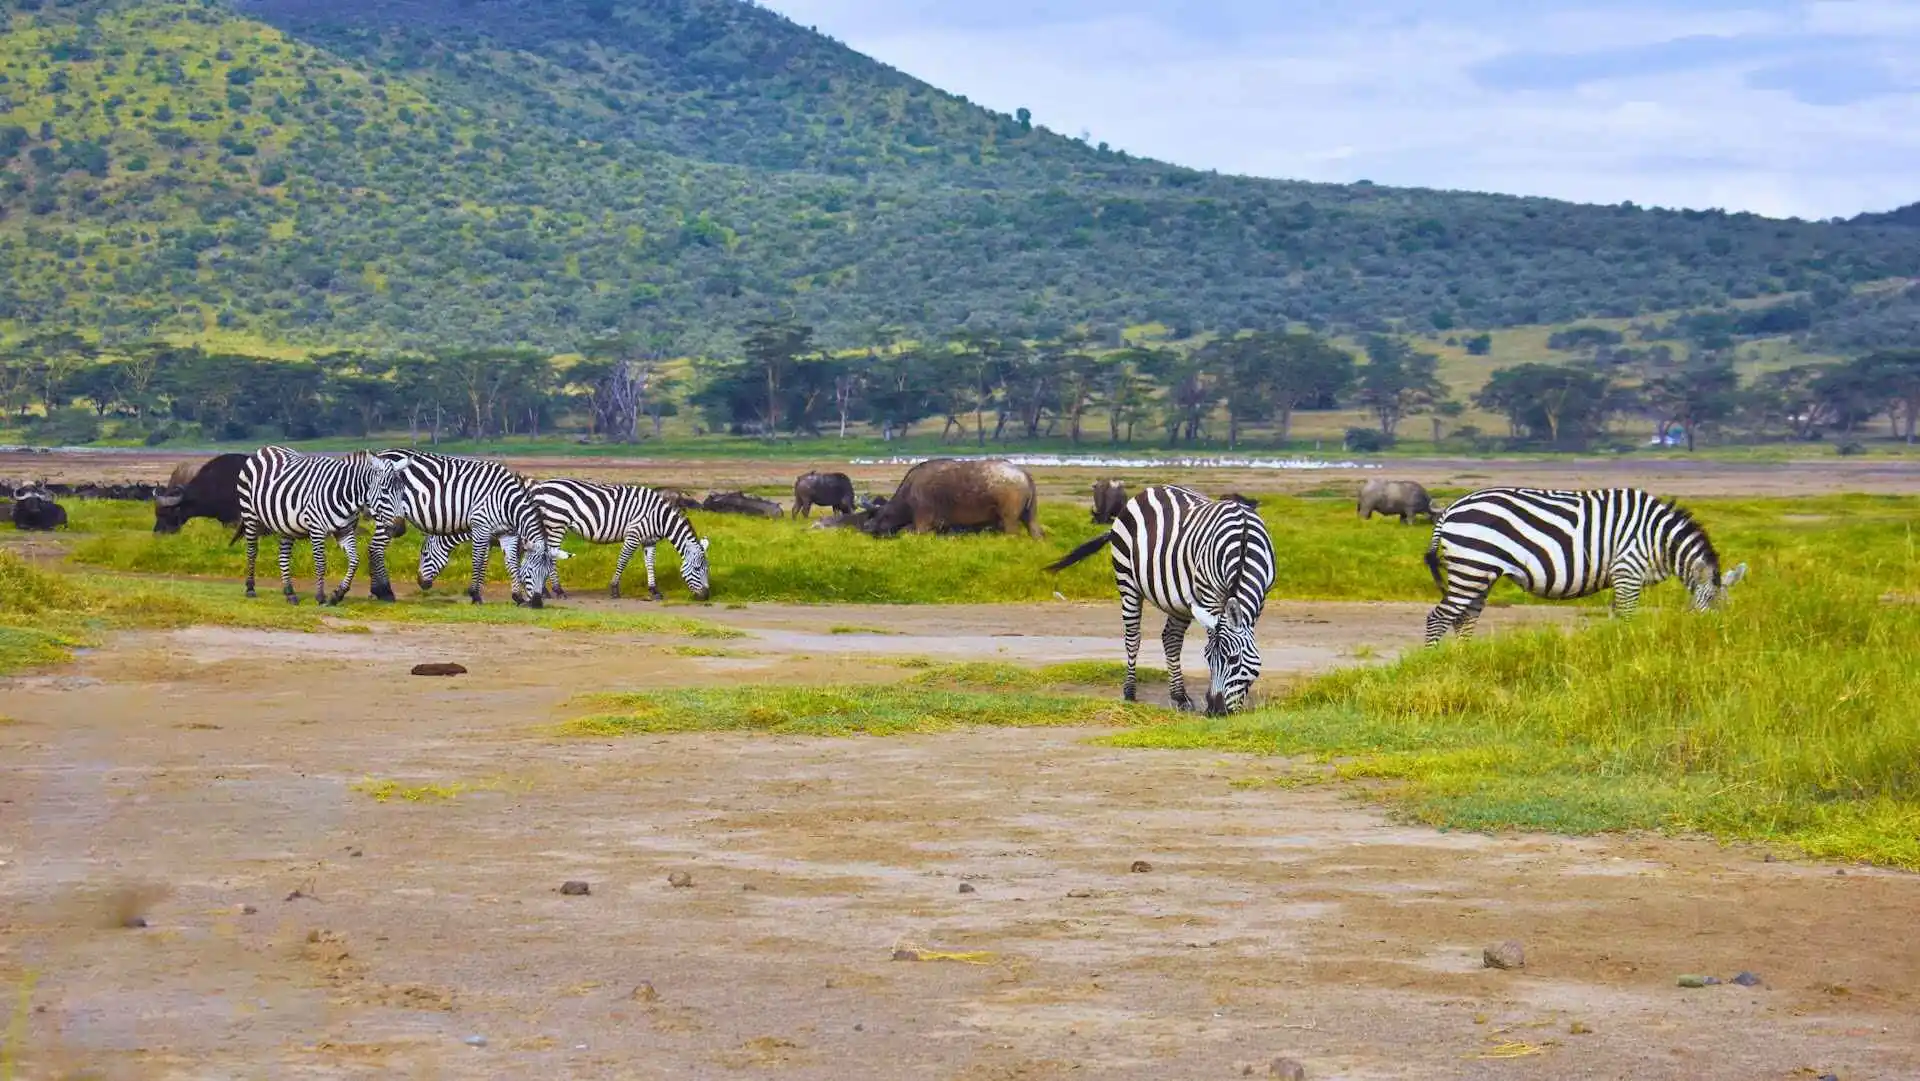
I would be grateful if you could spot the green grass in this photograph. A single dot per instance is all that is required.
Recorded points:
(1325, 552)
(875, 710)
(1000, 676)
(1791, 717)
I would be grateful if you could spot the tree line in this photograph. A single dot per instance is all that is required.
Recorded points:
(982, 388)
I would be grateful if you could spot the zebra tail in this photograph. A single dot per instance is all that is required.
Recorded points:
(1081, 552)
(1433, 563)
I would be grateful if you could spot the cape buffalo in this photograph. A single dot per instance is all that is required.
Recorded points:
(36, 511)
(741, 503)
(822, 490)
(207, 489)
(948, 495)
(1404, 499)
(1108, 497)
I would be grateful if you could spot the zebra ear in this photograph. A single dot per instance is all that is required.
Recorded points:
(1204, 618)
(1733, 576)
(704, 541)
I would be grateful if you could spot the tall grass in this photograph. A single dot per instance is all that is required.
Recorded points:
(1793, 715)
(1324, 553)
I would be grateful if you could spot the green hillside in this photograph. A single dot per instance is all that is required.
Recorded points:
(437, 172)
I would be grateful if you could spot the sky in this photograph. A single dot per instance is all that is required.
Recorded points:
(1780, 107)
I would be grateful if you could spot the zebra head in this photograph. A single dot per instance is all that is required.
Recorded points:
(1233, 661)
(693, 567)
(1708, 586)
(537, 562)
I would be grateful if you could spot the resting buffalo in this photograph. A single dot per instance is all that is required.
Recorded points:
(1108, 497)
(947, 495)
(822, 490)
(207, 489)
(1402, 498)
(680, 497)
(741, 503)
(36, 511)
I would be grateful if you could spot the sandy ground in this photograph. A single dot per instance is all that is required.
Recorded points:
(297, 928)
(1886, 475)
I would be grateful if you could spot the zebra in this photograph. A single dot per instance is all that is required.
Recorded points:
(453, 498)
(1199, 560)
(1565, 543)
(633, 516)
(289, 494)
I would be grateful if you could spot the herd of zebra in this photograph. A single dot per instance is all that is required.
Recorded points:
(451, 499)
(1197, 559)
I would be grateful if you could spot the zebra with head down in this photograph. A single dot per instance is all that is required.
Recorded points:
(451, 498)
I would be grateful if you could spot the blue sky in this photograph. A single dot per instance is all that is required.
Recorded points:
(1783, 108)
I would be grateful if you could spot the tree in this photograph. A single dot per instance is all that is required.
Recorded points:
(1397, 381)
(1304, 369)
(1563, 406)
(1894, 377)
(1703, 393)
(772, 346)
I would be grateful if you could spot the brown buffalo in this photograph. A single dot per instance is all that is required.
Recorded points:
(34, 510)
(822, 490)
(1108, 497)
(1404, 499)
(947, 495)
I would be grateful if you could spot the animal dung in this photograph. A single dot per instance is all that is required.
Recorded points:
(439, 668)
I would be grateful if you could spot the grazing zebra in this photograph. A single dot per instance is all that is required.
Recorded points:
(1565, 544)
(633, 516)
(288, 494)
(1197, 559)
(452, 498)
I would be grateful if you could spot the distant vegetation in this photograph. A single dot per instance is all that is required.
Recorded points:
(508, 173)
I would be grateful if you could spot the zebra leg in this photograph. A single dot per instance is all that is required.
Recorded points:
(1130, 616)
(1626, 598)
(653, 588)
(382, 588)
(286, 571)
(253, 555)
(350, 542)
(1173, 638)
(482, 548)
(627, 546)
(1467, 590)
(319, 539)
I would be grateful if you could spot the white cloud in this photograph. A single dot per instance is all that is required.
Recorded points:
(1677, 105)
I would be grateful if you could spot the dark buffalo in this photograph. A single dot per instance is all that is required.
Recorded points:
(822, 490)
(741, 503)
(855, 520)
(1108, 497)
(37, 511)
(680, 497)
(947, 495)
(209, 489)
(1403, 499)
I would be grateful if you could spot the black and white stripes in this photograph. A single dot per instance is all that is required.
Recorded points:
(629, 515)
(289, 494)
(1198, 560)
(452, 498)
(1562, 544)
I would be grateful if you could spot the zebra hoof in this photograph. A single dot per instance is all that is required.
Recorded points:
(293, 599)
(613, 593)
(1126, 694)
(656, 595)
(536, 602)
(251, 595)
(383, 593)
(473, 595)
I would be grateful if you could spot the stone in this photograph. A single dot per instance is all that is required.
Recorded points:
(575, 888)
(475, 1041)
(966, 887)
(680, 880)
(1505, 955)
(644, 992)
(1140, 867)
(1693, 981)
(1747, 979)
(906, 955)
(439, 668)
(1287, 1068)
(134, 921)
(248, 910)
(1080, 893)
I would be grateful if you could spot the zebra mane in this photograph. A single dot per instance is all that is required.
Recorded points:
(1689, 526)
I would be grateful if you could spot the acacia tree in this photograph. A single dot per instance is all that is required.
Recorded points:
(1699, 394)
(1397, 381)
(1303, 369)
(1561, 405)
(772, 347)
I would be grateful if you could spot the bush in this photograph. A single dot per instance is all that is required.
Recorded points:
(1367, 440)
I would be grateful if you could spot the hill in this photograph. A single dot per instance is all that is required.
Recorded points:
(428, 172)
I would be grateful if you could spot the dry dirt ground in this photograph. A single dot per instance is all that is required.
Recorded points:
(202, 780)
(1882, 475)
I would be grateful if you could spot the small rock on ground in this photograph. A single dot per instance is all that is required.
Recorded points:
(1747, 979)
(644, 992)
(475, 1041)
(1140, 867)
(1287, 1068)
(134, 921)
(1080, 893)
(966, 887)
(575, 888)
(1507, 954)
(439, 668)
(680, 879)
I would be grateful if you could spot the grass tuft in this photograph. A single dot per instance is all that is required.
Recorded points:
(875, 710)
(383, 791)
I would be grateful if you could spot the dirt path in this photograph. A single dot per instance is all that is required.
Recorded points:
(298, 928)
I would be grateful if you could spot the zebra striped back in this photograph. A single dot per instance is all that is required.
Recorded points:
(628, 515)
(294, 494)
(1566, 543)
(455, 497)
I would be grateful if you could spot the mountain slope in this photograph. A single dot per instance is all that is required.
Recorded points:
(492, 171)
